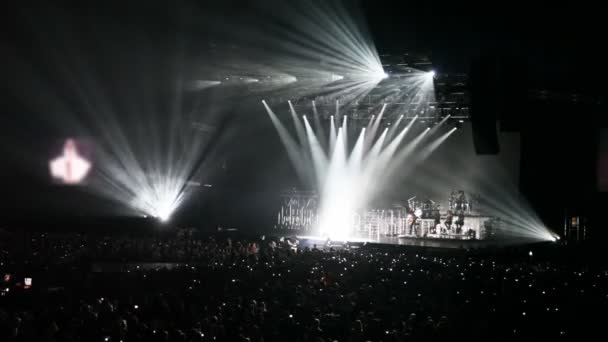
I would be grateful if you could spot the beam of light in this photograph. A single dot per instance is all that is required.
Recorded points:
(319, 158)
(518, 219)
(379, 75)
(410, 161)
(346, 179)
(339, 199)
(345, 131)
(395, 126)
(406, 152)
(374, 124)
(331, 32)
(297, 124)
(146, 150)
(325, 45)
(149, 182)
(149, 170)
(390, 150)
(335, 77)
(201, 84)
(318, 127)
(347, 182)
(160, 199)
(430, 148)
(292, 147)
(483, 175)
(332, 133)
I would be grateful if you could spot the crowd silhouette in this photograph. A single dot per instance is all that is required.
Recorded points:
(190, 287)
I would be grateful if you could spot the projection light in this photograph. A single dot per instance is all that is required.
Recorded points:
(335, 77)
(159, 201)
(380, 75)
(200, 84)
(347, 176)
(374, 76)
(164, 214)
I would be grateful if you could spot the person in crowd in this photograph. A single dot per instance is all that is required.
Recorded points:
(186, 287)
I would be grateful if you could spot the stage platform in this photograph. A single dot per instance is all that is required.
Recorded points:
(309, 240)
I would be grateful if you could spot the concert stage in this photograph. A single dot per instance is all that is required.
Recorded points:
(444, 243)
(411, 222)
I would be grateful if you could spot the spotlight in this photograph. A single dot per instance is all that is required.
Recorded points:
(461, 121)
(335, 77)
(163, 218)
(431, 74)
(379, 75)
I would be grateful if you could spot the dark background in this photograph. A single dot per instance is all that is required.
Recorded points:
(555, 48)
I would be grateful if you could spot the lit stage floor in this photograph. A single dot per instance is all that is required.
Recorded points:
(403, 241)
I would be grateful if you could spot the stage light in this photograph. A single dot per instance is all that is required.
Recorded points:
(335, 77)
(162, 209)
(347, 177)
(431, 74)
(164, 217)
(374, 76)
(200, 84)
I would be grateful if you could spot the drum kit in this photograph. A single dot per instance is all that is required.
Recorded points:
(458, 202)
(427, 209)
(422, 209)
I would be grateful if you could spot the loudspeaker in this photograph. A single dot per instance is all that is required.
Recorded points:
(484, 92)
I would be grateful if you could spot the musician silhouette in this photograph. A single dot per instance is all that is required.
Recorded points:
(70, 167)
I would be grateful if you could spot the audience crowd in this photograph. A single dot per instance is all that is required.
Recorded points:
(187, 287)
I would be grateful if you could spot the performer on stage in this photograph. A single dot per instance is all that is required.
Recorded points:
(460, 222)
(448, 220)
(437, 216)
